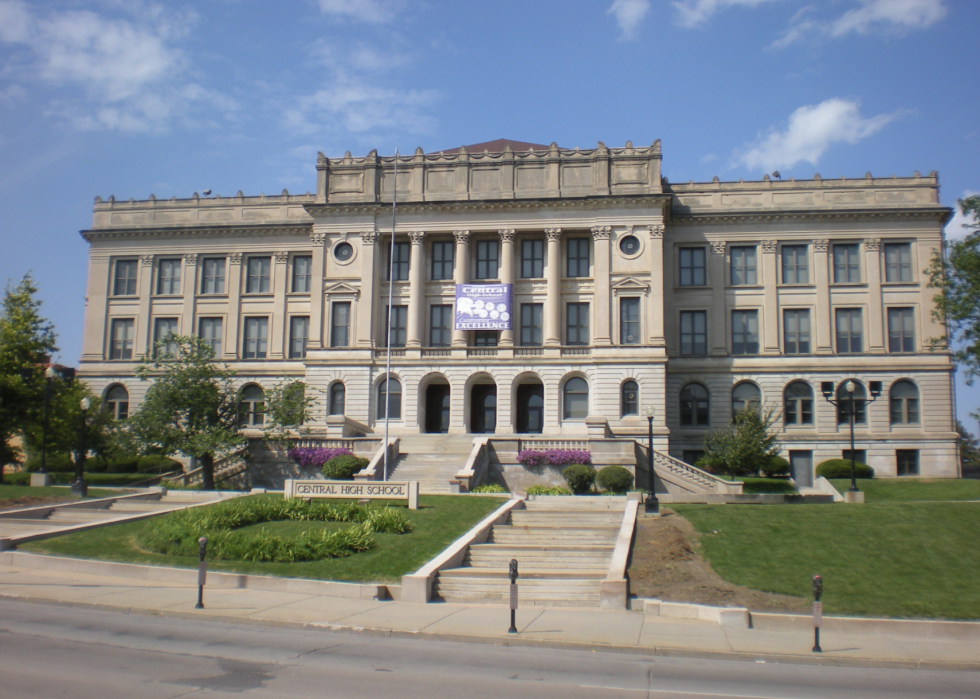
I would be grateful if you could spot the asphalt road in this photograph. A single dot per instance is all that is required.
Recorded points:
(59, 651)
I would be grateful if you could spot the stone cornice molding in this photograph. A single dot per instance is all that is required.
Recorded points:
(658, 202)
(601, 232)
(417, 237)
(507, 235)
(238, 231)
(553, 234)
(756, 217)
(461, 237)
(872, 244)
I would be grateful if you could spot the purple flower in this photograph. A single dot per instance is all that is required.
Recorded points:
(555, 457)
(312, 456)
(529, 457)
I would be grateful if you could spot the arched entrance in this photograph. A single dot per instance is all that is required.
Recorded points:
(483, 409)
(437, 407)
(530, 408)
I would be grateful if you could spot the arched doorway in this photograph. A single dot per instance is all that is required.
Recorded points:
(530, 408)
(483, 408)
(437, 407)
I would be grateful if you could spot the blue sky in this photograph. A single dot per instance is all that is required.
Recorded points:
(127, 97)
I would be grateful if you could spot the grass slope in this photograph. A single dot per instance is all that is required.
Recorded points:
(909, 560)
(12, 492)
(120, 479)
(911, 490)
(440, 520)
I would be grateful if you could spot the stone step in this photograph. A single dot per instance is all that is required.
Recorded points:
(142, 506)
(526, 573)
(540, 564)
(539, 549)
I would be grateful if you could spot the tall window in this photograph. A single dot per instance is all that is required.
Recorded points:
(576, 403)
(398, 269)
(117, 402)
(340, 324)
(485, 338)
(629, 398)
(901, 330)
(898, 262)
(745, 332)
(847, 266)
(577, 250)
(213, 275)
(257, 275)
(577, 315)
(440, 333)
(302, 274)
(694, 333)
(744, 395)
(168, 277)
(163, 330)
(394, 403)
(252, 406)
(796, 332)
(299, 333)
(338, 399)
(743, 267)
(849, 329)
(532, 258)
(629, 321)
(121, 342)
(442, 259)
(796, 264)
(209, 330)
(694, 405)
(692, 266)
(124, 283)
(844, 404)
(531, 324)
(256, 338)
(487, 259)
(907, 462)
(904, 403)
(798, 404)
(397, 325)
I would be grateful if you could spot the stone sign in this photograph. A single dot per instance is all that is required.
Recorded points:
(360, 490)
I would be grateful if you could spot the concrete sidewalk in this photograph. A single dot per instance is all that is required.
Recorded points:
(581, 628)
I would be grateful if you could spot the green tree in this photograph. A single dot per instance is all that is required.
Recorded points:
(288, 406)
(969, 451)
(191, 408)
(65, 422)
(745, 446)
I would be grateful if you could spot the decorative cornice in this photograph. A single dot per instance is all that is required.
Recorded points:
(238, 231)
(507, 235)
(190, 258)
(461, 237)
(235, 258)
(769, 246)
(821, 245)
(718, 247)
(659, 202)
(872, 244)
(553, 234)
(601, 232)
(755, 217)
(657, 231)
(147, 260)
(417, 237)
(282, 257)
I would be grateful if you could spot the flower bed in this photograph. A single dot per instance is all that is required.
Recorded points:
(554, 457)
(316, 456)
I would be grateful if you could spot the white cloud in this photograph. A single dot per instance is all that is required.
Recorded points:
(629, 14)
(896, 17)
(811, 131)
(15, 21)
(955, 229)
(694, 13)
(372, 11)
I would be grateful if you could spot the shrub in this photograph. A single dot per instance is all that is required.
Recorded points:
(315, 456)
(343, 467)
(548, 490)
(777, 466)
(580, 478)
(841, 468)
(615, 479)
(124, 464)
(96, 464)
(554, 457)
(490, 488)
(157, 464)
(54, 463)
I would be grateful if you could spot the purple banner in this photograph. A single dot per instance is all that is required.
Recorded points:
(484, 307)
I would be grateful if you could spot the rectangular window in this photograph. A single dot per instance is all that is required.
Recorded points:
(578, 257)
(256, 338)
(532, 258)
(397, 325)
(796, 264)
(694, 333)
(531, 324)
(901, 330)
(485, 338)
(849, 329)
(440, 326)
(898, 262)
(121, 346)
(692, 266)
(302, 274)
(399, 263)
(168, 277)
(745, 332)
(629, 321)
(743, 265)
(796, 332)
(577, 330)
(257, 275)
(442, 259)
(124, 283)
(163, 328)
(907, 462)
(487, 259)
(299, 333)
(209, 330)
(340, 324)
(213, 276)
(847, 266)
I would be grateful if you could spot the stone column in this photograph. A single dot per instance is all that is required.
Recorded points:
(231, 341)
(461, 275)
(369, 281)
(552, 272)
(770, 311)
(278, 323)
(416, 290)
(823, 327)
(603, 309)
(657, 286)
(317, 275)
(507, 236)
(876, 322)
(188, 286)
(719, 308)
(143, 330)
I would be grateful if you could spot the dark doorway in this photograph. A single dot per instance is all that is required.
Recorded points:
(801, 467)
(483, 409)
(530, 408)
(437, 408)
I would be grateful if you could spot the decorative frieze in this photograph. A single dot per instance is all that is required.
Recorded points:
(718, 247)
(821, 245)
(190, 258)
(769, 246)
(507, 235)
(317, 238)
(657, 231)
(282, 257)
(461, 237)
(601, 232)
(235, 258)
(146, 260)
(368, 237)
(872, 244)
(553, 234)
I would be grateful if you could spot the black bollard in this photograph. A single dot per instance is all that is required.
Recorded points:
(513, 596)
(202, 571)
(817, 612)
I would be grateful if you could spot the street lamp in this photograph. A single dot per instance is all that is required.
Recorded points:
(651, 505)
(50, 373)
(827, 388)
(79, 487)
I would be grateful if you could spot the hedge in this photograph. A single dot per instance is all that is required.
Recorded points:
(615, 479)
(777, 466)
(841, 468)
(580, 478)
(343, 467)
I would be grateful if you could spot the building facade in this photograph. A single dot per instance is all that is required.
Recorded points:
(631, 296)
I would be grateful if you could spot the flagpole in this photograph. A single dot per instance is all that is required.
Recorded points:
(391, 287)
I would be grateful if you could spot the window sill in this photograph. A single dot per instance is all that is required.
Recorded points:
(797, 286)
(849, 285)
(263, 295)
(752, 287)
(894, 284)
(124, 297)
(216, 297)
(680, 287)
(166, 296)
(298, 294)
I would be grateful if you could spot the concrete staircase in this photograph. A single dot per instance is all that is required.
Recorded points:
(431, 459)
(563, 547)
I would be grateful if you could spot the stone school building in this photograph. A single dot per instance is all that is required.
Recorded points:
(548, 292)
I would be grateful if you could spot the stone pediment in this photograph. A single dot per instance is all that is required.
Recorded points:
(630, 284)
(341, 289)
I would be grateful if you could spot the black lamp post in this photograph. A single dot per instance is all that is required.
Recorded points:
(652, 505)
(827, 388)
(49, 374)
(79, 487)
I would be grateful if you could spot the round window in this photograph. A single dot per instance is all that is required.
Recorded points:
(630, 245)
(343, 251)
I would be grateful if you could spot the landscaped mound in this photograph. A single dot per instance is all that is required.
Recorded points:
(177, 533)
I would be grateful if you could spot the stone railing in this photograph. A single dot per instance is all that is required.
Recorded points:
(437, 352)
(543, 444)
(529, 351)
(474, 471)
(321, 443)
(690, 478)
(575, 351)
(382, 353)
(481, 352)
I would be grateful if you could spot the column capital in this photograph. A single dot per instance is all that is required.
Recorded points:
(461, 237)
(769, 246)
(601, 232)
(820, 245)
(507, 235)
(368, 237)
(657, 231)
(282, 257)
(147, 260)
(553, 234)
(190, 258)
(318, 238)
(417, 237)
(718, 247)
(872, 244)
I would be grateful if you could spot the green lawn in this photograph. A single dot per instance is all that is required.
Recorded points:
(10, 492)
(120, 479)
(440, 520)
(909, 560)
(913, 489)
